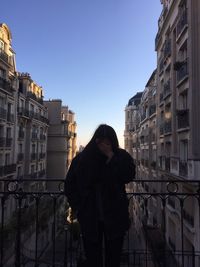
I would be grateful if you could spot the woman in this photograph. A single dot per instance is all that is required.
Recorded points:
(95, 188)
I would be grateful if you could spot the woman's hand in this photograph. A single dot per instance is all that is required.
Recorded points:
(106, 148)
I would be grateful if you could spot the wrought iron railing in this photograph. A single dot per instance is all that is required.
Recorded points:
(36, 232)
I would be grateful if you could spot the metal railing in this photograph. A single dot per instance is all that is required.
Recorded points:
(37, 232)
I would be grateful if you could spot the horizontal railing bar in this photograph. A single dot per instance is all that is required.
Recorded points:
(39, 194)
(134, 180)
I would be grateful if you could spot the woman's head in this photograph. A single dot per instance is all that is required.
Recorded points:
(105, 132)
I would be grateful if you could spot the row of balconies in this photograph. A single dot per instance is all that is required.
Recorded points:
(41, 137)
(34, 97)
(181, 68)
(34, 175)
(7, 142)
(34, 156)
(182, 122)
(181, 24)
(31, 115)
(166, 127)
(164, 164)
(40, 156)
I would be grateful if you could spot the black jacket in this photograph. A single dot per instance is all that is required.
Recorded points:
(96, 191)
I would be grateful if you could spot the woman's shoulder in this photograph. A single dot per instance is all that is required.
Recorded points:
(123, 152)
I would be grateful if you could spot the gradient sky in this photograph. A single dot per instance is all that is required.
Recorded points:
(93, 54)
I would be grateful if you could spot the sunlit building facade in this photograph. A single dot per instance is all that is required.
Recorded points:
(23, 121)
(61, 139)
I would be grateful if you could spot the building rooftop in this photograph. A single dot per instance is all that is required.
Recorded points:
(135, 99)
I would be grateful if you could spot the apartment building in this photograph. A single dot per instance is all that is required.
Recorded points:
(131, 121)
(177, 46)
(23, 122)
(32, 129)
(8, 110)
(168, 133)
(8, 105)
(61, 139)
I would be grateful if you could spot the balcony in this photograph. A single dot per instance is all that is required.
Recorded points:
(10, 117)
(182, 22)
(38, 233)
(161, 66)
(7, 169)
(182, 70)
(21, 111)
(167, 48)
(20, 157)
(34, 136)
(152, 109)
(167, 127)
(182, 118)
(2, 142)
(183, 168)
(2, 113)
(167, 164)
(167, 89)
(33, 156)
(21, 134)
(4, 56)
(42, 137)
(8, 142)
(34, 97)
(5, 85)
(42, 156)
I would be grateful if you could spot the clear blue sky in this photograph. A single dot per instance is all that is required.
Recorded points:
(93, 54)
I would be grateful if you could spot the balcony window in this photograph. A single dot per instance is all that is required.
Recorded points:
(3, 54)
(182, 118)
(167, 89)
(183, 167)
(167, 48)
(20, 157)
(182, 19)
(2, 73)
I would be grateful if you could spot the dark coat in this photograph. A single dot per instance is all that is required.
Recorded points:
(87, 177)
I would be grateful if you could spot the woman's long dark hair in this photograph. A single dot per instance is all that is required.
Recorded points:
(103, 131)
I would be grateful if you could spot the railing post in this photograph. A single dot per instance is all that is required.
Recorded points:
(182, 239)
(36, 232)
(54, 231)
(164, 225)
(2, 233)
(18, 234)
(66, 246)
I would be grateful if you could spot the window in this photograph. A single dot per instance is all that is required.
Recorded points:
(8, 133)
(33, 148)
(183, 100)
(19, 171)
(20, 148)
(2, 73)
(1, 131)
(2, 102)
(1, 159)
(9, 108)
(7, 159)
(32, 169)
(183, 150)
